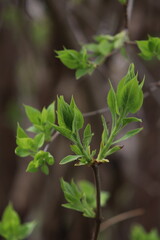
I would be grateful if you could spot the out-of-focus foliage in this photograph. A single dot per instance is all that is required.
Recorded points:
(138, 233)
(93, 54)
(149, 48)
(82, 197)
(11, 227)
(42, 127)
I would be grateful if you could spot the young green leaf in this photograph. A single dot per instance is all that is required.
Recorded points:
(128, 135)
(22, 152)
(69, 57)
(113, 150)
(69, 158)
(45, 169)
(20, 132)
(39, 140)
(128, 120)
(112, 102)
(105, 133)
(41, 159)
(33, 114)
(87, 136)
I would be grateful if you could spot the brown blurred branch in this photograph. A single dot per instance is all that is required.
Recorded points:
(122, 217)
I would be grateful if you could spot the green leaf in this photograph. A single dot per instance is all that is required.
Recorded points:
(64, 131)
(113, 150)
(78, 119)
(130, 120)
(69, 57)
(41, 159)
(149, 48)
(51, 113)
(69, 158)
(120, 39)
(105, 47)
(10, 215)
(26, 143)
(45, 169)
(44, 115)
(33, 114)
(80, 72)
(76, 149)
(105, 133)
(32, 167)
(39, 140)
(104, 198)
(26, 229)
(20, 132)
(128, 135)
(87, 136)
(112, 102)
(129, 93)
(22, 152)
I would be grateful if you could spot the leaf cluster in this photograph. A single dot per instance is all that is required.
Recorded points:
(70, 121)
(128, 98)
(42, 127)
(138, 233)
(93, 54)
(76, 60)
(82, 197)
(149, 48)
(11, 227)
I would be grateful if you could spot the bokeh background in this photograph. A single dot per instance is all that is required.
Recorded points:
(30, 32)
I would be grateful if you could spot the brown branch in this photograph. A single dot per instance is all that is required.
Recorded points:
(98, 218)
(121, 217)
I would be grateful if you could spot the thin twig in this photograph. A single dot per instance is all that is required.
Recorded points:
(122, 217)
(98, 218)
(53, 138)
(99, 111)
(125, 7)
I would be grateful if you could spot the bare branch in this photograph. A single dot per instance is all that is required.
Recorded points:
(122, 217)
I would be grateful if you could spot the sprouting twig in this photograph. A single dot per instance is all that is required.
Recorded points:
(122, 217)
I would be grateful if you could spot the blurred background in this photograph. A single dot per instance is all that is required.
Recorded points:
(30, 32)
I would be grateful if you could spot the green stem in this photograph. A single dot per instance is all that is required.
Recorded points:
(98, 218)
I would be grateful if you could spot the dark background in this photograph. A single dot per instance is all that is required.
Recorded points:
(30, 31)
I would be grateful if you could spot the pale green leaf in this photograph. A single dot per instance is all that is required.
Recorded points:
(69, 158)
(129, 134)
